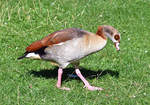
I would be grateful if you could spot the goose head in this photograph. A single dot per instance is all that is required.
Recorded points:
(112, 34)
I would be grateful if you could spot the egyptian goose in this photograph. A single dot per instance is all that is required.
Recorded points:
(70, 45)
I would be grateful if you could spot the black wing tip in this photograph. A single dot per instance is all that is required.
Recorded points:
(22, 56)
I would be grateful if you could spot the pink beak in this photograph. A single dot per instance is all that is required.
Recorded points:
(117, 46)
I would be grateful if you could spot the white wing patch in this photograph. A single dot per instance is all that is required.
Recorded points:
(59, 43)
(33, 55)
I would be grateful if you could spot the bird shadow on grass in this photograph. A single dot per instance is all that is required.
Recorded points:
(69, 73)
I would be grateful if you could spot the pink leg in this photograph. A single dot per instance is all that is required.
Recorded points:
(60, 72)
(86, 83)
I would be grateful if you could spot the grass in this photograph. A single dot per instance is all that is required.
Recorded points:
(125, 76)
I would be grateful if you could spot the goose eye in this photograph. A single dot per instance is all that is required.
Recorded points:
(117, 37)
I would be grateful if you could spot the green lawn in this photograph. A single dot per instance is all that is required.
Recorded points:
(124, 75)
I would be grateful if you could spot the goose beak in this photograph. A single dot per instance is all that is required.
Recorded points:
(117, 46)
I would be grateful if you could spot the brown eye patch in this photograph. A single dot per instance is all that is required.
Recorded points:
(117, 37)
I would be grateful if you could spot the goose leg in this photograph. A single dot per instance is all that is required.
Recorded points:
(86, 83)
(60, 72)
